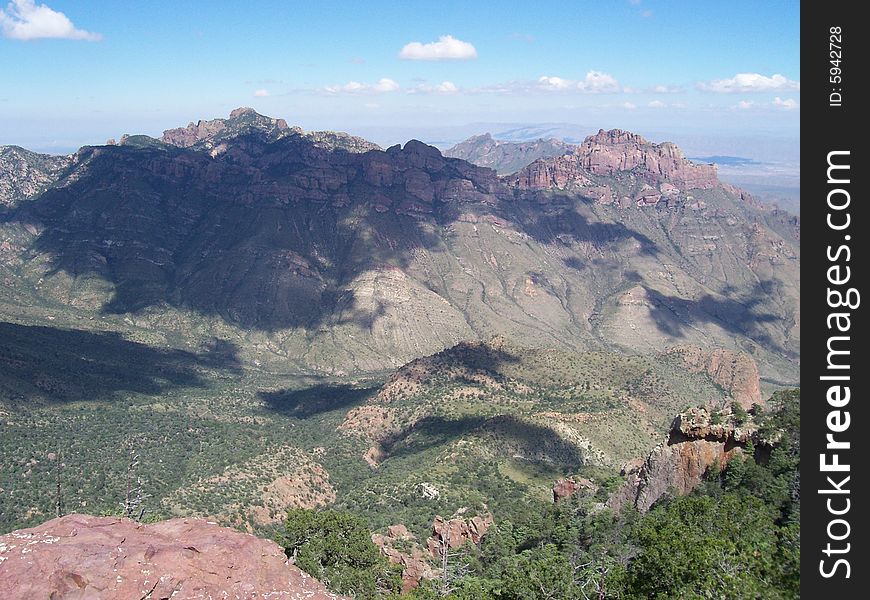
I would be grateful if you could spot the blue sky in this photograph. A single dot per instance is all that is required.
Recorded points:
(75, 72)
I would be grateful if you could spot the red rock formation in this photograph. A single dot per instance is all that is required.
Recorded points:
(204, 130)
(565, 488)
(413, 559)
(736, 372)
(85, 557)
(610, 152)
(678, 465)
(455, 532)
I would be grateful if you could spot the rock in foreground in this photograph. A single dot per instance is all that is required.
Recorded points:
(81, 556)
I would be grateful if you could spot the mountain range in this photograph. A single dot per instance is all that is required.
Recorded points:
(270, 318)
(321, 253)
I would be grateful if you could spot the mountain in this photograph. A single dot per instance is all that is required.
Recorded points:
(275, 318)
(24, 174)
(318, 257)
(505, 157)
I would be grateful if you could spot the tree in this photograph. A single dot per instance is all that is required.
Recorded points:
(336, 548)
(134, 494)
(540, 574)
(701, 547)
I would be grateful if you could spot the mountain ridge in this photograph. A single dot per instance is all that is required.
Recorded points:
(360, 261)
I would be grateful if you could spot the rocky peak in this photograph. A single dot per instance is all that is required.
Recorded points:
(81, 556)
(609, 153)
(698, 439)
(242, 111)
(209, 133)
(615, 137)
(505, 157)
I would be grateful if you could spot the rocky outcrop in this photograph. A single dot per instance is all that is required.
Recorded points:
(735, 371)
(453, 533)
(609, 153)
(212, 135)
(697, 441)
(568, 487)
(85, 557)
(208, 133)
(400, 547)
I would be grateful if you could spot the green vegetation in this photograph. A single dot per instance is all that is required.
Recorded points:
(737, 536)
(337, 549)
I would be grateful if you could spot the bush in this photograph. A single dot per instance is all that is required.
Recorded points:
(336, 548)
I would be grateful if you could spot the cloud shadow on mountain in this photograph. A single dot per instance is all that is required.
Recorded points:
(309, 402)
(67, 365)
(738, 314)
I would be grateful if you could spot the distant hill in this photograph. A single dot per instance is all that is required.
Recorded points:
(505, 157)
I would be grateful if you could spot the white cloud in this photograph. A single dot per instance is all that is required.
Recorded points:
(555, 83)
(787, 104)
(745, 104)
(382, 86)
(657, 104)
(595, 82)
(629, 105)
(446, 48)
(598, 82)
(262, 94)
(445, 87)
(666, 89)
(25, 20)
(750, 82)
(386, 85)
(646, 14)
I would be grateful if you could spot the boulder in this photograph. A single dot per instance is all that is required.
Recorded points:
(78, 557)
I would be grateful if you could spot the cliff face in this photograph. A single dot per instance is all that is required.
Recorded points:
(80, 556)
(328, 254)
(660, 166)
(736, 372)
(679, 465)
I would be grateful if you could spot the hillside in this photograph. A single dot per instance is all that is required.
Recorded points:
(505, 157)
(477, 425)
(317, 257)
(270, 318)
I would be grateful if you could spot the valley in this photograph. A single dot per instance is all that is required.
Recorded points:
(259, 318)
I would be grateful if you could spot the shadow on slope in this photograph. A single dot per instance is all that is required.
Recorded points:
(268, 236)
(67, 365)
(504, 435)
(559, 221)
(735, 314)
(309, 402)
